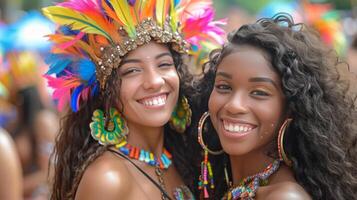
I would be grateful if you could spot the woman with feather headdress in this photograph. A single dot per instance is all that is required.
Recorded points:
(117, 68)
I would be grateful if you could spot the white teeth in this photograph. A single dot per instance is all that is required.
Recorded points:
(238, 128)
(154, 101)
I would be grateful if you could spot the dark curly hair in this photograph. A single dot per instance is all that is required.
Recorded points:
(75, 149)
(321, 139)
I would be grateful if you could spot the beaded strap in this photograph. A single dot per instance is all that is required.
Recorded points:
(248, 186)
(163, 192)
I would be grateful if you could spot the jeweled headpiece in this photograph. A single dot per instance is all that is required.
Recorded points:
(95, 35)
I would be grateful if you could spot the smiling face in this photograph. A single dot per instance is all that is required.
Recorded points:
(246, 104)
(149, 86)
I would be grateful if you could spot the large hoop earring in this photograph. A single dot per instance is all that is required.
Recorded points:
(206, 178)
(281, 151)
(200, 138)
(116, 131)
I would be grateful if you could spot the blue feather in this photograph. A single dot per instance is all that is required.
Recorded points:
(94, 85)
(176, 2)
(66, 30)
(57, 63)
(75, 96)
(85, 69)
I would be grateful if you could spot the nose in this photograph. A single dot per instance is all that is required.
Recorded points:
(153, 79)
(237, 104)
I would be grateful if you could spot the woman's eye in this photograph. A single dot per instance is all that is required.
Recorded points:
(130, 71)
(259, 93)
(166, 64)
(222, 87)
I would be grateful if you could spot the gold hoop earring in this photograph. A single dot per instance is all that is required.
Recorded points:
(200, 138)
(281, 151)
(206, 178)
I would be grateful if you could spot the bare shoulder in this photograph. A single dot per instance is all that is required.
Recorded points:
(7, 148)
(106, 178)
(10, 169)
(287, 190)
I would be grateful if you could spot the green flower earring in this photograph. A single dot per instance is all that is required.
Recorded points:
(181, 117)
(116, 131)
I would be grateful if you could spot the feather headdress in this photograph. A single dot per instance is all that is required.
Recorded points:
(94, 35)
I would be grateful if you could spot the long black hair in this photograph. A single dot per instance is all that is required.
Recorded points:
(321, 139)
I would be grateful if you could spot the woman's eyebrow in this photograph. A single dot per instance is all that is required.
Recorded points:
(163, 54)
(263, 79)
(138, 60)
(224, 74)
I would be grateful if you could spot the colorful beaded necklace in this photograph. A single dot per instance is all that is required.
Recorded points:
(162, 162)
(248, 186)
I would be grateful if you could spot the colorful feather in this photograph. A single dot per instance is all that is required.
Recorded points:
(173, 17)
(92, 9)
(122, 10)
(63, 87)
(78, 21)
(139, 7)
(76, 97)
(60, 40)
(201, 27)
(162, 8)
(85, 69)
(147, 9)
(57, 63)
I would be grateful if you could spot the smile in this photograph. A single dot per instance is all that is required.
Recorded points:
(154, 101)
(237, 127)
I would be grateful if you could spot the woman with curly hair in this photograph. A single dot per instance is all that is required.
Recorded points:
(120, 66)
(280, 111)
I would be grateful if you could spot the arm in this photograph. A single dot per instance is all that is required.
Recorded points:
(106, 178)
(10, 169)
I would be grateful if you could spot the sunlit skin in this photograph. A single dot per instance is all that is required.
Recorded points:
(247, 108)
(148, 94)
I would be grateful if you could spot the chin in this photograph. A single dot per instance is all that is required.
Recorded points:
(157, 121)
(234, 149)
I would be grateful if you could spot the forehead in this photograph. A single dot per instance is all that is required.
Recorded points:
(148, 50)
(248, 61)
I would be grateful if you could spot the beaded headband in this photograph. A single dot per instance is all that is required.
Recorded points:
(94, 35)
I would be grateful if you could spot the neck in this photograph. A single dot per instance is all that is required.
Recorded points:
(148, 138)
(247, 165)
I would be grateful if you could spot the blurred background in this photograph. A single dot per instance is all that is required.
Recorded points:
(29, 120)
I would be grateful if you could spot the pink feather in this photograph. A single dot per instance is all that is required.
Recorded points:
(62, 88)
(200, 26)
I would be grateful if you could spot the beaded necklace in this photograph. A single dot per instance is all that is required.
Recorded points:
(160, 163)
(163, 162)
(247, 188)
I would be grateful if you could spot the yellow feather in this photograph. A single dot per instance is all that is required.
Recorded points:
(121, 8)
(173, 20)
(78, 21)
(161, 10)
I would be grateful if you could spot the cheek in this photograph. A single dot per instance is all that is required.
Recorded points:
(270, 116)
(212, 101)
(173, 78)
(127, 90)
(215, 103)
